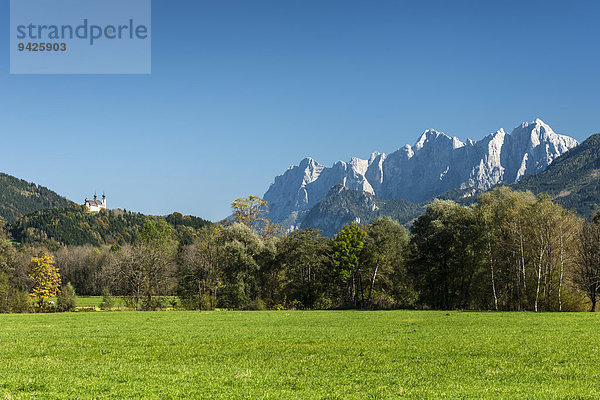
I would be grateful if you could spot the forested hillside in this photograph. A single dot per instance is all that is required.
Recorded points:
(572, 180)
(509, 251)
(76, 226)
(343, 205)
(19, 197)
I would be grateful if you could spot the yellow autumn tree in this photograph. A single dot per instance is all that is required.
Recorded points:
(45, 277)
(251, 211)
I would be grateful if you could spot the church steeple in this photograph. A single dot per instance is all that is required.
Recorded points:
(96, 205)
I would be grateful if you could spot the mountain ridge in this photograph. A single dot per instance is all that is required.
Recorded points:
(436, 164)
(343, 205)
(19, 197)
(572, 180)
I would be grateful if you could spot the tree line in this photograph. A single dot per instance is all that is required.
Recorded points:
(76, 226)
(510, 251)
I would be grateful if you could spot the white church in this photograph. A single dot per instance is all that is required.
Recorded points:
(95, 205)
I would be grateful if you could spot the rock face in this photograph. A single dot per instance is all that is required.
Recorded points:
(435, 164)
(573, 179)
(342, 205)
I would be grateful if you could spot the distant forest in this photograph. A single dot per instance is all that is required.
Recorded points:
(509, 251)
(76, 226)
(19, 197)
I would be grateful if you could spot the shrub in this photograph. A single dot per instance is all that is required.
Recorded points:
(20, 302)
(131, 302)
(206, 303)
(188, 302)
(382, 301)
(67, 299)
(152, 304)
(4, 293)
(323, 303)
(173, 302)
(108, 301)
(258, 305)
(296, 305)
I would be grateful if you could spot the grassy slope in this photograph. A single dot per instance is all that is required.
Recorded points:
(300, 355)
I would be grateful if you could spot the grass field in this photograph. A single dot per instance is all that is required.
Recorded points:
(300, 355)
(90, 301)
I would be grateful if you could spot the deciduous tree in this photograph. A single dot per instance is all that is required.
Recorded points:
(45, 277)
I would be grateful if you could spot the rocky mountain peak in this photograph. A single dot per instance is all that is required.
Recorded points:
(436, 164)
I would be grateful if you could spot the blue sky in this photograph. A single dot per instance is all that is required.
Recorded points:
(240, 90)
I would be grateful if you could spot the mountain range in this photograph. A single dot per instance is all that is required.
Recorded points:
(399, 185)
(343, 205)
(436, 164)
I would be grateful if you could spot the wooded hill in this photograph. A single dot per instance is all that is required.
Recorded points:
(343, 205)
(572, 180)
(19, 197)
(75, 226)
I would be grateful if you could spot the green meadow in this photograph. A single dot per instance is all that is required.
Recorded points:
(299, 355)
(90, 301)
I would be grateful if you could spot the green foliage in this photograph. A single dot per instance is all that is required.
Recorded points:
(19, 301)
(18, 198)
(510, 251)
(7, 254)
(347, 248)
(186, 226)
(75, 226)
(257, 305)
(242, 251)
(385, 256)
(587, 273)
(12, 300)
(444, 258)
(303, 255)
(145, 270)
(67, 299)
(250, 210)
(347, 254)
(108, 301)
(156, 233)
(153, 303)
(4, 293)
(198, 272)
(177, 219)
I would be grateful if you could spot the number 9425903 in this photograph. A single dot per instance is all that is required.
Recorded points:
(42, 46)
